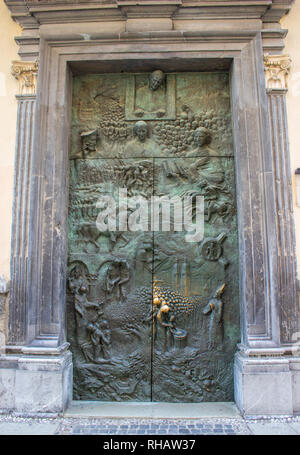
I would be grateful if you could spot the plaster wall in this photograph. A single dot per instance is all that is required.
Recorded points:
(291, 22)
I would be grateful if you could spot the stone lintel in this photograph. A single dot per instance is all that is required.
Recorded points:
(146, 16)
(32, 13)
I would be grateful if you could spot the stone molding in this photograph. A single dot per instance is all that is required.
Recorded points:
(147, 15)
(277, 68)
(26, 73)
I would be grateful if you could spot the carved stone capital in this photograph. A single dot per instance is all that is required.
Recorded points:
(26, 73)
(277, 68)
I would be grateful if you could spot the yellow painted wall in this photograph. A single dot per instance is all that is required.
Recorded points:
(8, 117)
(292, 47)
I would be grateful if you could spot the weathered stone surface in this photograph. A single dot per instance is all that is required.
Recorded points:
(4, 285)
(28, 428)
(4, 288)
(261, 428)
(266, 385)
(295, 371)
(7, 389)
(35, 385)
(2, 305)
(148, 25)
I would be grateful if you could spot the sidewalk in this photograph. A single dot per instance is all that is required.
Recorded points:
(212, 419)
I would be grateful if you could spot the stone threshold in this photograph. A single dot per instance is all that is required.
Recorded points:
(152, 410)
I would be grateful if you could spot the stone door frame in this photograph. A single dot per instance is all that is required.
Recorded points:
(37, 350)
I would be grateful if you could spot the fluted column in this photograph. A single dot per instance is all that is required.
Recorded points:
(276, 72)
(26, 74)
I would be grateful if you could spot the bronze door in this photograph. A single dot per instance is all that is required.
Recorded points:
(152, 312)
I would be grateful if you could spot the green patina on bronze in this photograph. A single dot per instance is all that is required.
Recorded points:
(150, 315)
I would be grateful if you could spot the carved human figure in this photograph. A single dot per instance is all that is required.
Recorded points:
(151, 97)
(82, 305)
(116, 276)
(156, 79)
(89, 233)
(88, 144)
(167, 320)
(141, 144)
(100, 338)
(223, 208)
(141, 130)
(207, 165)
(77, 279)
(214, 309)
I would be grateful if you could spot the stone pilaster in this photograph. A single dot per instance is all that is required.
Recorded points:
(26, 74)
(32, 379)
(277, 68)
(267, 380)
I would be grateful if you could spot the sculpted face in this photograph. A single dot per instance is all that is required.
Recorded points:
(201, 136)
(156, 79)
(141, 130)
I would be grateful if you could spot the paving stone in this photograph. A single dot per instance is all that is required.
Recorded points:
(124, 426)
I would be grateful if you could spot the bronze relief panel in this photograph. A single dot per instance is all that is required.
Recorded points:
(152, 313)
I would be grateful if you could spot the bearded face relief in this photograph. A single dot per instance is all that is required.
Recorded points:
(156, 79)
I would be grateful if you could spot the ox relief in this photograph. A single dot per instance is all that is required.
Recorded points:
(152, 313)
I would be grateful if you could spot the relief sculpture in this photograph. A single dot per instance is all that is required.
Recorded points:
(202, 168)
(152, 315)
(214, 309)
(151, 100)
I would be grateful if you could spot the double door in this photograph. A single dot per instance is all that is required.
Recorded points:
(152, 292)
